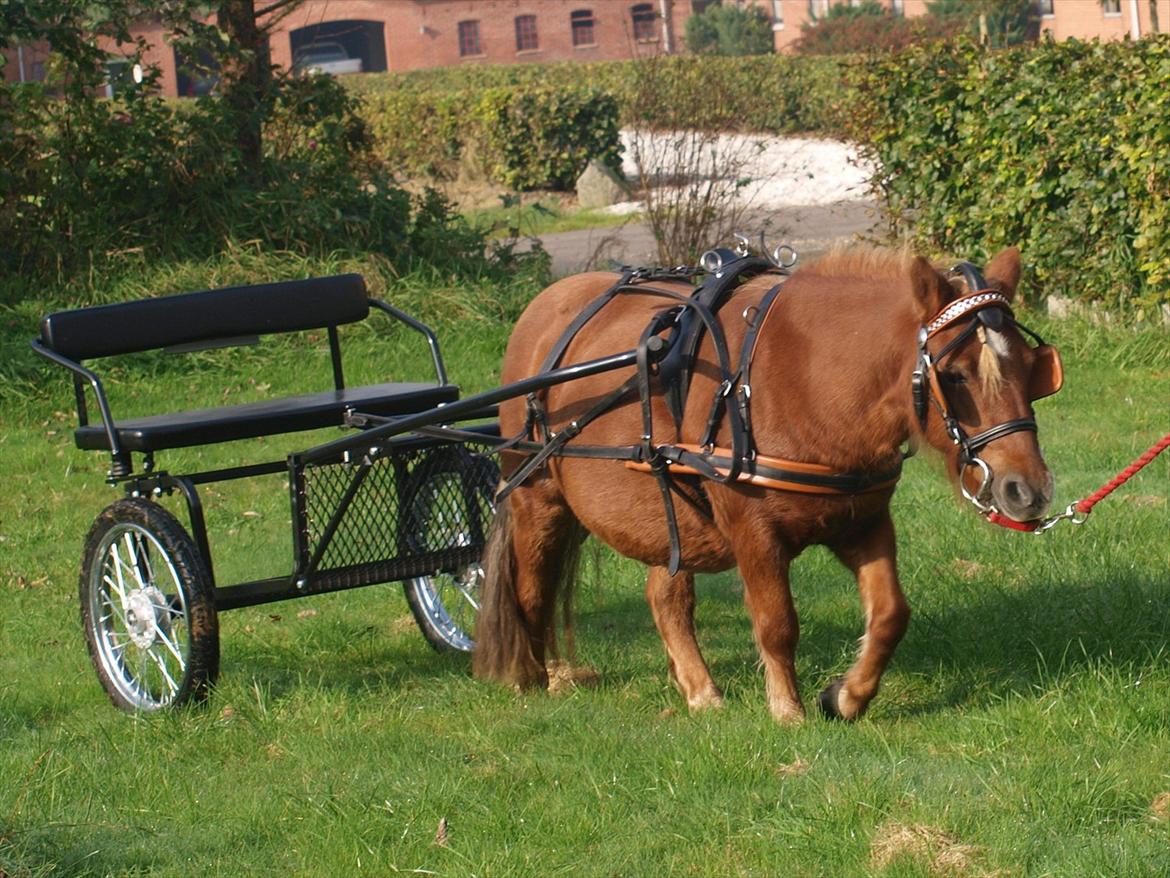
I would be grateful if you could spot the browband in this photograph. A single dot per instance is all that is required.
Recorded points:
(966, 305)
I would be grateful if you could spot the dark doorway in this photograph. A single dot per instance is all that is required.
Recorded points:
(358, 39)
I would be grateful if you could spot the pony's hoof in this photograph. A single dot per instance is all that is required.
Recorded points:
(828, 701)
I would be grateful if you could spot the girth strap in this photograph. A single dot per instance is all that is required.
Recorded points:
(774, 472)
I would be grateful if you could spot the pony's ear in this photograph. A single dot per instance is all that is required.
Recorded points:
(1003, 271)
(930, 289)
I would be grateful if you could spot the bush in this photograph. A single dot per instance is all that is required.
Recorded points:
(525, 137)
(1059, 148)
(729, 31)
(418, 115)
(883, 32)
(94, 184)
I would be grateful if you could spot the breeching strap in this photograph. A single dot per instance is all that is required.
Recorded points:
(1083, 507)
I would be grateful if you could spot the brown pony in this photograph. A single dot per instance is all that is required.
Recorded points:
(833, 370)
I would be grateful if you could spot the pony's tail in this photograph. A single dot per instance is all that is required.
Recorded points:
(503, 646)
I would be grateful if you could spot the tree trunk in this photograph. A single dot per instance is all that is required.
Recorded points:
(246, 76)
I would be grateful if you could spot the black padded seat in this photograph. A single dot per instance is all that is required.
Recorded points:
(288, 414)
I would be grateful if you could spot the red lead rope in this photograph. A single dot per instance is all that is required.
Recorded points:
(1084, 507)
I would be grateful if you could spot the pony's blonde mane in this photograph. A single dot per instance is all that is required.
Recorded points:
(861, 262)
(877, 262)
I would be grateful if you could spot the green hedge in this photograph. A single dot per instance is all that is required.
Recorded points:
(1061, 148)
(524, 136)
(762, 93)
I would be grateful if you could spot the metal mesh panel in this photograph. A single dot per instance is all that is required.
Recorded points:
(409, 510)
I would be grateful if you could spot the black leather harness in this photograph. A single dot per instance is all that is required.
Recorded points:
(667, 350)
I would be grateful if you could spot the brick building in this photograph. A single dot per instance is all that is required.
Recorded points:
(399, 35)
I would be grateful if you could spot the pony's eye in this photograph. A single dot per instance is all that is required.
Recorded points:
(954, 378)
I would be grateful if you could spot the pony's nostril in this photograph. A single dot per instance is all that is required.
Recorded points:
(1018, 492)
(1021, 499)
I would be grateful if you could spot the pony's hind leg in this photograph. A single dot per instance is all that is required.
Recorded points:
(672, 601)
(871, 557)
(532, 546)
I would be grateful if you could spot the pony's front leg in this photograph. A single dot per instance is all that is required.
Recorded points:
(672, 601)
(764, 569)
(871, 557)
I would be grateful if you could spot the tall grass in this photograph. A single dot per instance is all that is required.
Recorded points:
(1023, 729)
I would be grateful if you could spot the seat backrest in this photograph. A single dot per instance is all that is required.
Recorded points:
(194, 318)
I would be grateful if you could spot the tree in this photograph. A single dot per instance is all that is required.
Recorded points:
(729, 31)
(238, 43)
(72, 30)
(997, 22)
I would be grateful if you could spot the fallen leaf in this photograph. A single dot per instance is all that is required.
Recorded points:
(1160, 808)
(306, 614)
(562, 677)
(441, 833)
(795, 768)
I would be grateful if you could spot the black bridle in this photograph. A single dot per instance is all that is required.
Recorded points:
(986, 308)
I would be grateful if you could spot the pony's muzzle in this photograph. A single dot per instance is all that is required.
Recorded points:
(1020, 498)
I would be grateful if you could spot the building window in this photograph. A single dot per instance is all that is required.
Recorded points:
(644, 21)
(898, 7)
(1044, 7)
(581, 24)
(818, 8)
(469, 39)
(777, 14)
(526, 40)
(698, 7)
(1111, 7)
(117, 77)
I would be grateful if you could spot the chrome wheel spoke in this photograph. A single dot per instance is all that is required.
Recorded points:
(162, 667)
(172, 648)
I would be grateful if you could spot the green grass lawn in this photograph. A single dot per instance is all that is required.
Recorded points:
(528, 218)
(1023, 727)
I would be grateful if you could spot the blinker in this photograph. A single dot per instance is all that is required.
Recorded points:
(1047, 372)
(992, 318)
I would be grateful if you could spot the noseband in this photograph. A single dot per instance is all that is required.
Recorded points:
(991, 309)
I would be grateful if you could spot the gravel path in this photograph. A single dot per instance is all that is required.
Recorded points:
(808, 193)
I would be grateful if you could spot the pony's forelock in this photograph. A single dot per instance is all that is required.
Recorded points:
(991, 353)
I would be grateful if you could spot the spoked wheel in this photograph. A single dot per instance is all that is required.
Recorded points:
(450, 507)
(147, 608)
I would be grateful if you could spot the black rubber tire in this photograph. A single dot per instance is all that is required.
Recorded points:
(445, 603)
(157, 646)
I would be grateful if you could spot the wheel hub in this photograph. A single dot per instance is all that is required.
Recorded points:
(146, 616)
